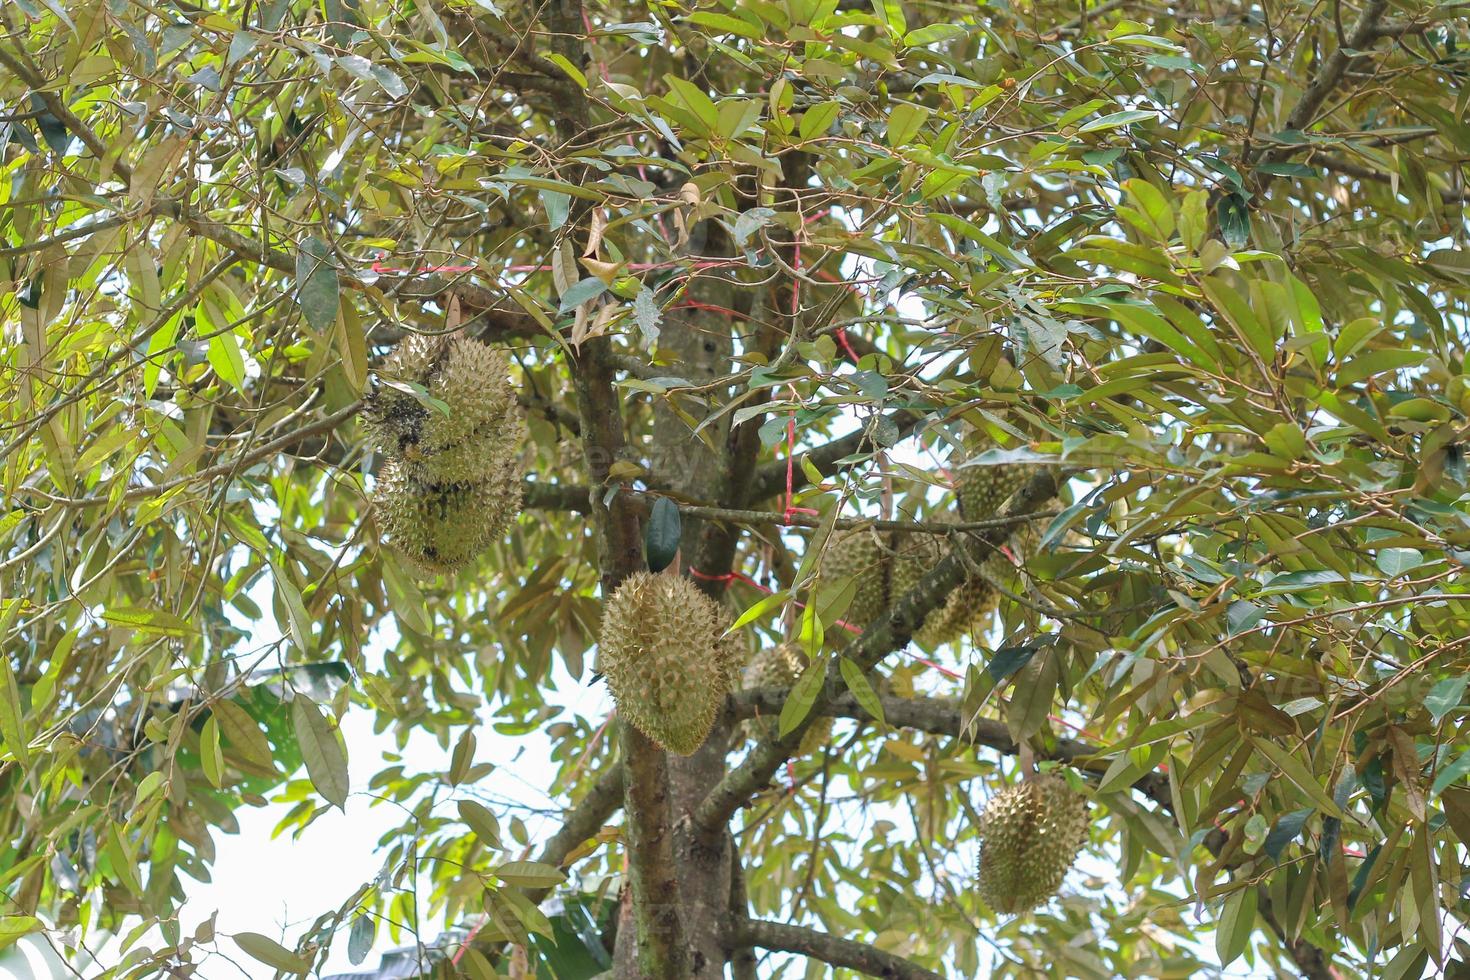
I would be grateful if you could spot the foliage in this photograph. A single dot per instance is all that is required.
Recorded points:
(784, 263)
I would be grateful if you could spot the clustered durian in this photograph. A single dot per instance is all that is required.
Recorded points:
(780, 666)
(885, 566)
(452, 482)
(665, 657)
(1030, 835)
(968, 608)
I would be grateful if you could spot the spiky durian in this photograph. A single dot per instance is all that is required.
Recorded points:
(440, 527)
(980, 490)
(780, 666)
(468, 429)
(1030, 834)
(665, 660)
(862, 555)
(967, 609)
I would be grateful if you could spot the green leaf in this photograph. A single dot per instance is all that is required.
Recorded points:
(817, 544)
(350, 342)
(661, 536)
(904, 120)
(761, 607)
(1372, 363)
(1446, 696)
(271, 953)
(149, 621)
(697, 102)
(211, 758)
(318, 289)
(573, 72)
(1296, 770)
(1237, 921)
(802, 696)
(1008, 660)
(725, 24)
(12, 927)
(227, 359)
(1031, 696)
(862, 691)
(1450, 774)
(557, 205)
(1288, 827)
(242, 732)
(462, 758)
(818, 119)
(1153, 207)
(1394, 562)
(1235, 220)
(360, 937)
(1115, 119)
(12, 715)
(524, 910)
(297, 620)
(480, 820)
(322, 750)
(529, 874)
(581, 292)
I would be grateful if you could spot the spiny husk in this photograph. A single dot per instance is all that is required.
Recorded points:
(452, 481)
(859, 554)
(441, 527)
(967, 610)
(665, 660)
(482, 429)
(780, 666)
(980, 490)
(1030, 835)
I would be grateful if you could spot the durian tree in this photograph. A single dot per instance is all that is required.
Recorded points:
(1002, 464)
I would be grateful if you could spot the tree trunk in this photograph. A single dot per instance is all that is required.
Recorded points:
(701, 343)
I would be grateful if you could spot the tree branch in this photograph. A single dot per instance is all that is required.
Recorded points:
(585, 819)
(831, 949)
(771, 478)
(943, 716)
(742, 956)
(643, 500)
(1360, 37)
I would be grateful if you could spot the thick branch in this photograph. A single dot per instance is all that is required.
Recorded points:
(943, 716)
(643, 501)
(1360, 37)
(771, 479)
(582, 821)
(831, 949)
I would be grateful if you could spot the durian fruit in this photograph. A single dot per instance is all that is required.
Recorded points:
(440, 528)
(862, 555)
(665, 660)
(477, 434)
(780, 666)
(967, 609)
(451, 484)
(1030, 834)
(980, 490)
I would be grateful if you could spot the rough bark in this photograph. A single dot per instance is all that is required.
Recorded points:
(833, 950)
(701, 344)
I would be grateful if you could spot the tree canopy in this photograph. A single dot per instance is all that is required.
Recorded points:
(1179, 291)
